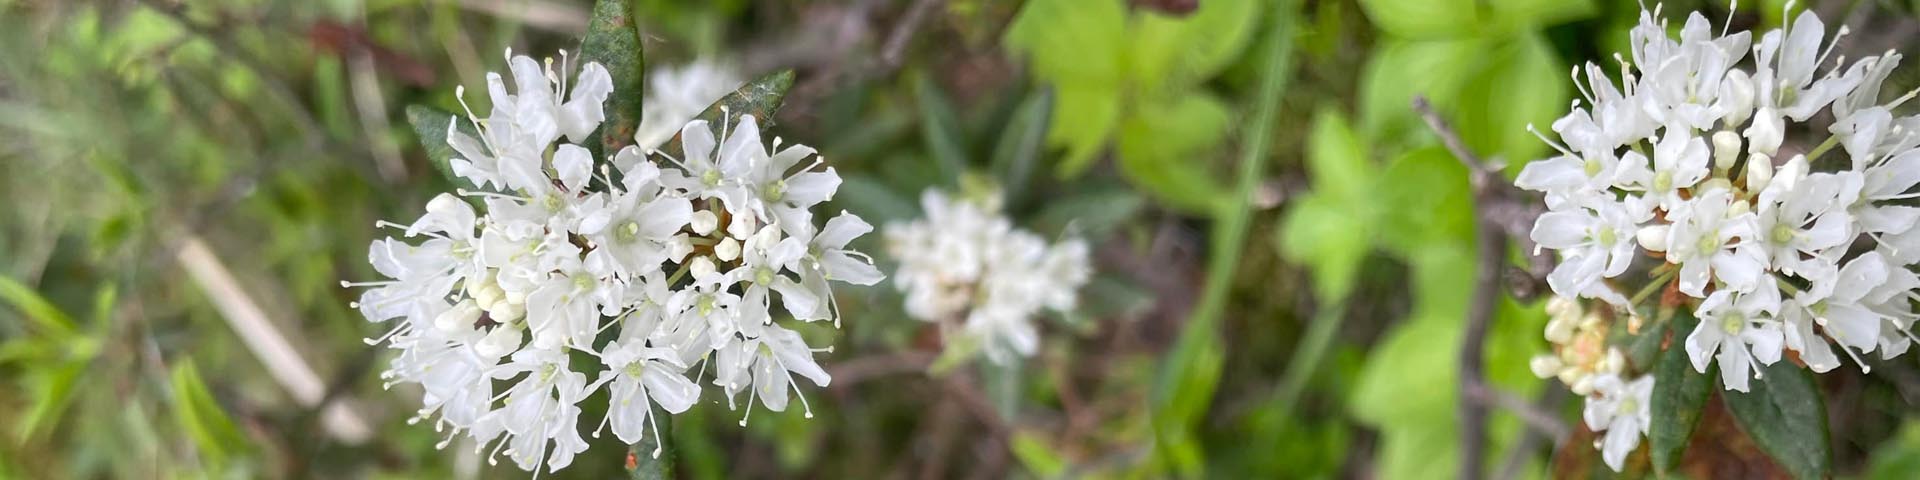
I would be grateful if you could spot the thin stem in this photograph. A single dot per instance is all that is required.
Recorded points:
(1197, 352)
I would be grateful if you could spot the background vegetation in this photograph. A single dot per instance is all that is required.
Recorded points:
(1286, 253)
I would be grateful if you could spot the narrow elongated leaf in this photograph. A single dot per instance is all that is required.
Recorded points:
(940, 128)
(49, 318)
(652, 459)
(1020, 144)
(613, 40)
(760, 98)
(202, 417)
(1785, 415)
(1679, 393)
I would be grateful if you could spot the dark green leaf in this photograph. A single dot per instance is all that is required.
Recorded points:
(1785, 415)
(652, 459)
(760, 98)
(1020, 144)
(431, 125)
(614, 41)
(1679, 392)
(940, 128)
(1090, 215)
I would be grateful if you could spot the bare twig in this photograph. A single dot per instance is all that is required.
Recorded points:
(1530, 439)
(1490, 249)
(258, 333)
(1536, 418)
(896, 47)
(851, 372)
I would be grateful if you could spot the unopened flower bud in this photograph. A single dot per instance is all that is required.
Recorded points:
(507, 312)
(679, 247)
(727, 250)
(1545, 366)
(1759, 172)
(1582, 386)
(704, 222)
(1614, 362)
(1652, 237)
(1560, 330)
(702, 266)
(1738, 208)
(1726, 149)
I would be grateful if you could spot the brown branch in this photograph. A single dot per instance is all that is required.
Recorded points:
(1490, 249)
(1530, 439)
(851, 372)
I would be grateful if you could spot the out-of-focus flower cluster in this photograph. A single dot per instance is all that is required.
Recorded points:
(967, 268)
(657, 272)
(1776, 244)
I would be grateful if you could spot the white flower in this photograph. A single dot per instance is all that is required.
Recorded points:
(1742, 328)
(641, 377)
(562, 258)
(1703, 242)
(965, 266)
(1595, 241)
(1621, 409)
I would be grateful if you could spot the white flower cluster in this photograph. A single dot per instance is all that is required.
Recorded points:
(1687, 162)
(677, 94)
(965, 263)
(1780, 253)
(681, 263)
(1590, 367)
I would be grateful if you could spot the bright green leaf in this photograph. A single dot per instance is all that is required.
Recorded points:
(48, 317)
(1325, 233)
(1423, 18)
(1679, 394)
(1037, 456)
(1525, 13)
(1085, 116)
(1337, 161)
(1785, 415)
(1071, 42)
(1401, 69)
(1162, 145)
(202, 417)
(1523, 83)
(1178, 51)
(1423, 199)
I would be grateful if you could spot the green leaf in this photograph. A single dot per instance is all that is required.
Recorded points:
(54, 322)
(613, 39)
(1086, 116)
(1423, 200)
(202, 417)
(1337, 161)
(1423, 18)
(1330, 228)
(651, 458)
(431, 125)
(1679, 394)
(760, 98)
(1785, 415)
(1163, 146)
(940, 128)
(1073, 43)
(1088, 215)
(1020, 145)
(1399, 70)
(874, 200)
(1522, 83)
(1518, 14)
(1037, 456)
(1175, 52)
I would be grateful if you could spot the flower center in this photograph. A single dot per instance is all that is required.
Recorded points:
(583, 282)
(1662, 181)
(1593, 167)
(627, 232)
(1782, 233)
(1629, 405)
(711, 178)
(1607, 236)
(705, 306)
(553, 203)
(634, 369)
(763, 276)
(1710, 242)
(1733, 324)
(775, 190)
